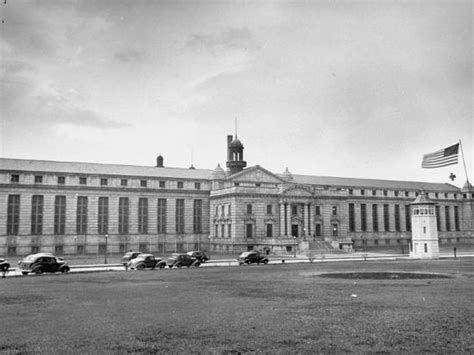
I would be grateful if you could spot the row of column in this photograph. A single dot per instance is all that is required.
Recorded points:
(285, 218)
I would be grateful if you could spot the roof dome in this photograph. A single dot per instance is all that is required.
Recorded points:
(236, 144)
(287, 175)
(218, 173)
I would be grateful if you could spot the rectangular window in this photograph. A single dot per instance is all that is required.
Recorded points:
(123, 182)
(197, 216)
(385, 192)
(229, 230)
(103, 182)
(38, 179)
(396, 193)
(81, 215)
(143, 183)
(351, 191)
(318, 210)
(294, 210)
(319, 230)
(15, 178)
(269, 230)
(13, 214)
(334, 230)
(222, 210)
(123, 214)
(180, 184)
(249, 209)
(447, 216)
(374, 192)
(162, 184)
(363, 217)
(59, 214)
(351, 218)
(249, 230)
(438, 218)
(407, 218)
(143, 215)
(362, 192)
(397, 218)
(375, 218)
(217, 231)
(61, 180)
(37, 215)
(197, 186)
(82, 181)
(228, 210)
(456, 218)
(179, 216)
(161, 215)
(103, 216)
(406, 194)
(269, 209)
(386, 218)
(223, 230)
(334, 210)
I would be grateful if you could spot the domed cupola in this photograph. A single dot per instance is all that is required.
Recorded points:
(218, 173)
(235, 155)
(287, 176)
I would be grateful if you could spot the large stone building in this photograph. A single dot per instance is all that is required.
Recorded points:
(69, 208)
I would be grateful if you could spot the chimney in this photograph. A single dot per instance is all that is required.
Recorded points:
(159, 161)
(229, 140)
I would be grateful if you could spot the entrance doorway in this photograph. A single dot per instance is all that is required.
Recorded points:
(294, 230)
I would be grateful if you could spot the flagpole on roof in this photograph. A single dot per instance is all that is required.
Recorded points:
(464, 163)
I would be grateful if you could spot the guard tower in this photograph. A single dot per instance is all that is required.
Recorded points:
(425, 242)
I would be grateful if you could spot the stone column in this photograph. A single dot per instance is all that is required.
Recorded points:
(288, 219)
(282, 219)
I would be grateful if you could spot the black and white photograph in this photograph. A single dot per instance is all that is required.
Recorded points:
(236, 176)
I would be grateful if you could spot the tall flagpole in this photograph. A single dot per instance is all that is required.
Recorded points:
(465, 169)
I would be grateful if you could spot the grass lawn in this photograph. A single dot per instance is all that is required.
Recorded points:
(283, 308)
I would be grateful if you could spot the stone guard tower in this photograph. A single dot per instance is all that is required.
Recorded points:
(425, 242)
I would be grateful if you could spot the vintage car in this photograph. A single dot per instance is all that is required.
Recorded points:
(250, 257)
(179, 260)
(146, 261)
(42, 262)
(4, 266)
(129, 256)
(200, 255)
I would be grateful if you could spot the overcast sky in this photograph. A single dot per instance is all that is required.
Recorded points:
(335, 88)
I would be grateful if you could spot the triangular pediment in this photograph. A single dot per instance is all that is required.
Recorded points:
(256, 174)
(295, 190)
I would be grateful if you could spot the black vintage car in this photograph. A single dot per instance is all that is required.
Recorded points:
(146, 261)
(200, 255)
(250, 257)
(42, 262)
(4, 266)
(130, 255)
(179, 260)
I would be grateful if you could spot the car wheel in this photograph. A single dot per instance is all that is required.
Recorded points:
(39, 270)
(265, 262)
(196, 264)
(161, 266)
(66, 269)
(140, 267)
(24, 272)
(170, 266)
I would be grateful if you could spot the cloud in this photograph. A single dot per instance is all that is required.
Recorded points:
(128, 55)
(231, 38)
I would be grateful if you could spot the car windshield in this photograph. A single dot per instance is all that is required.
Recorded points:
(30, 258)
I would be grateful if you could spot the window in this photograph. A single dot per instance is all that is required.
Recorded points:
(374, 192)
(362, 192)
(197, 216)
(426, 247)
(334, 230)
(351, 191)
(249, 230)
(363, 217)
(15, 178)
(406, 194)
(397, 218)
(436, 194)
(179, 216)
(223, 230)
(143, 215)
(385, 192)
(180, 184)
(334, 210)
(123, 214)
(61, 180)
(103, 216)
(38, 179)
(123, 182)
(58, 249)
(456, 218)
(11, 250)
(59, 214)
(228, 210)
(396, 193)
(294, 210)
(445, 195)
(269, 230)
(37, 215)
(455, 196)
(318, 210)
(229, 230)
(375, 218)
(447, 216)
(249, 209)
(376, 242)
(222, 210)
(162, 184)
(82, 181)
(161, 215)
(81, 215)
(269, 209)
(386, 218)
(407, 218)
(13, 214)
(217, 231)
(438, 218)
(197, 186)
(143, 183)
(103, 182)
(318, 230)
(351, 218)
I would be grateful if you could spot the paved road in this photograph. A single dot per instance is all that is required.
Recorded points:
(232, 262)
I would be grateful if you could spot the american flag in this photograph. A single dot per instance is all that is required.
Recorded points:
(440, 158)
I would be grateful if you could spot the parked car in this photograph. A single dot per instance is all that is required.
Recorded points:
(146, 261)
(180, 260)
(4, 266)
(250, 257)
(129, 256)
(42, 262)
(200, 255)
